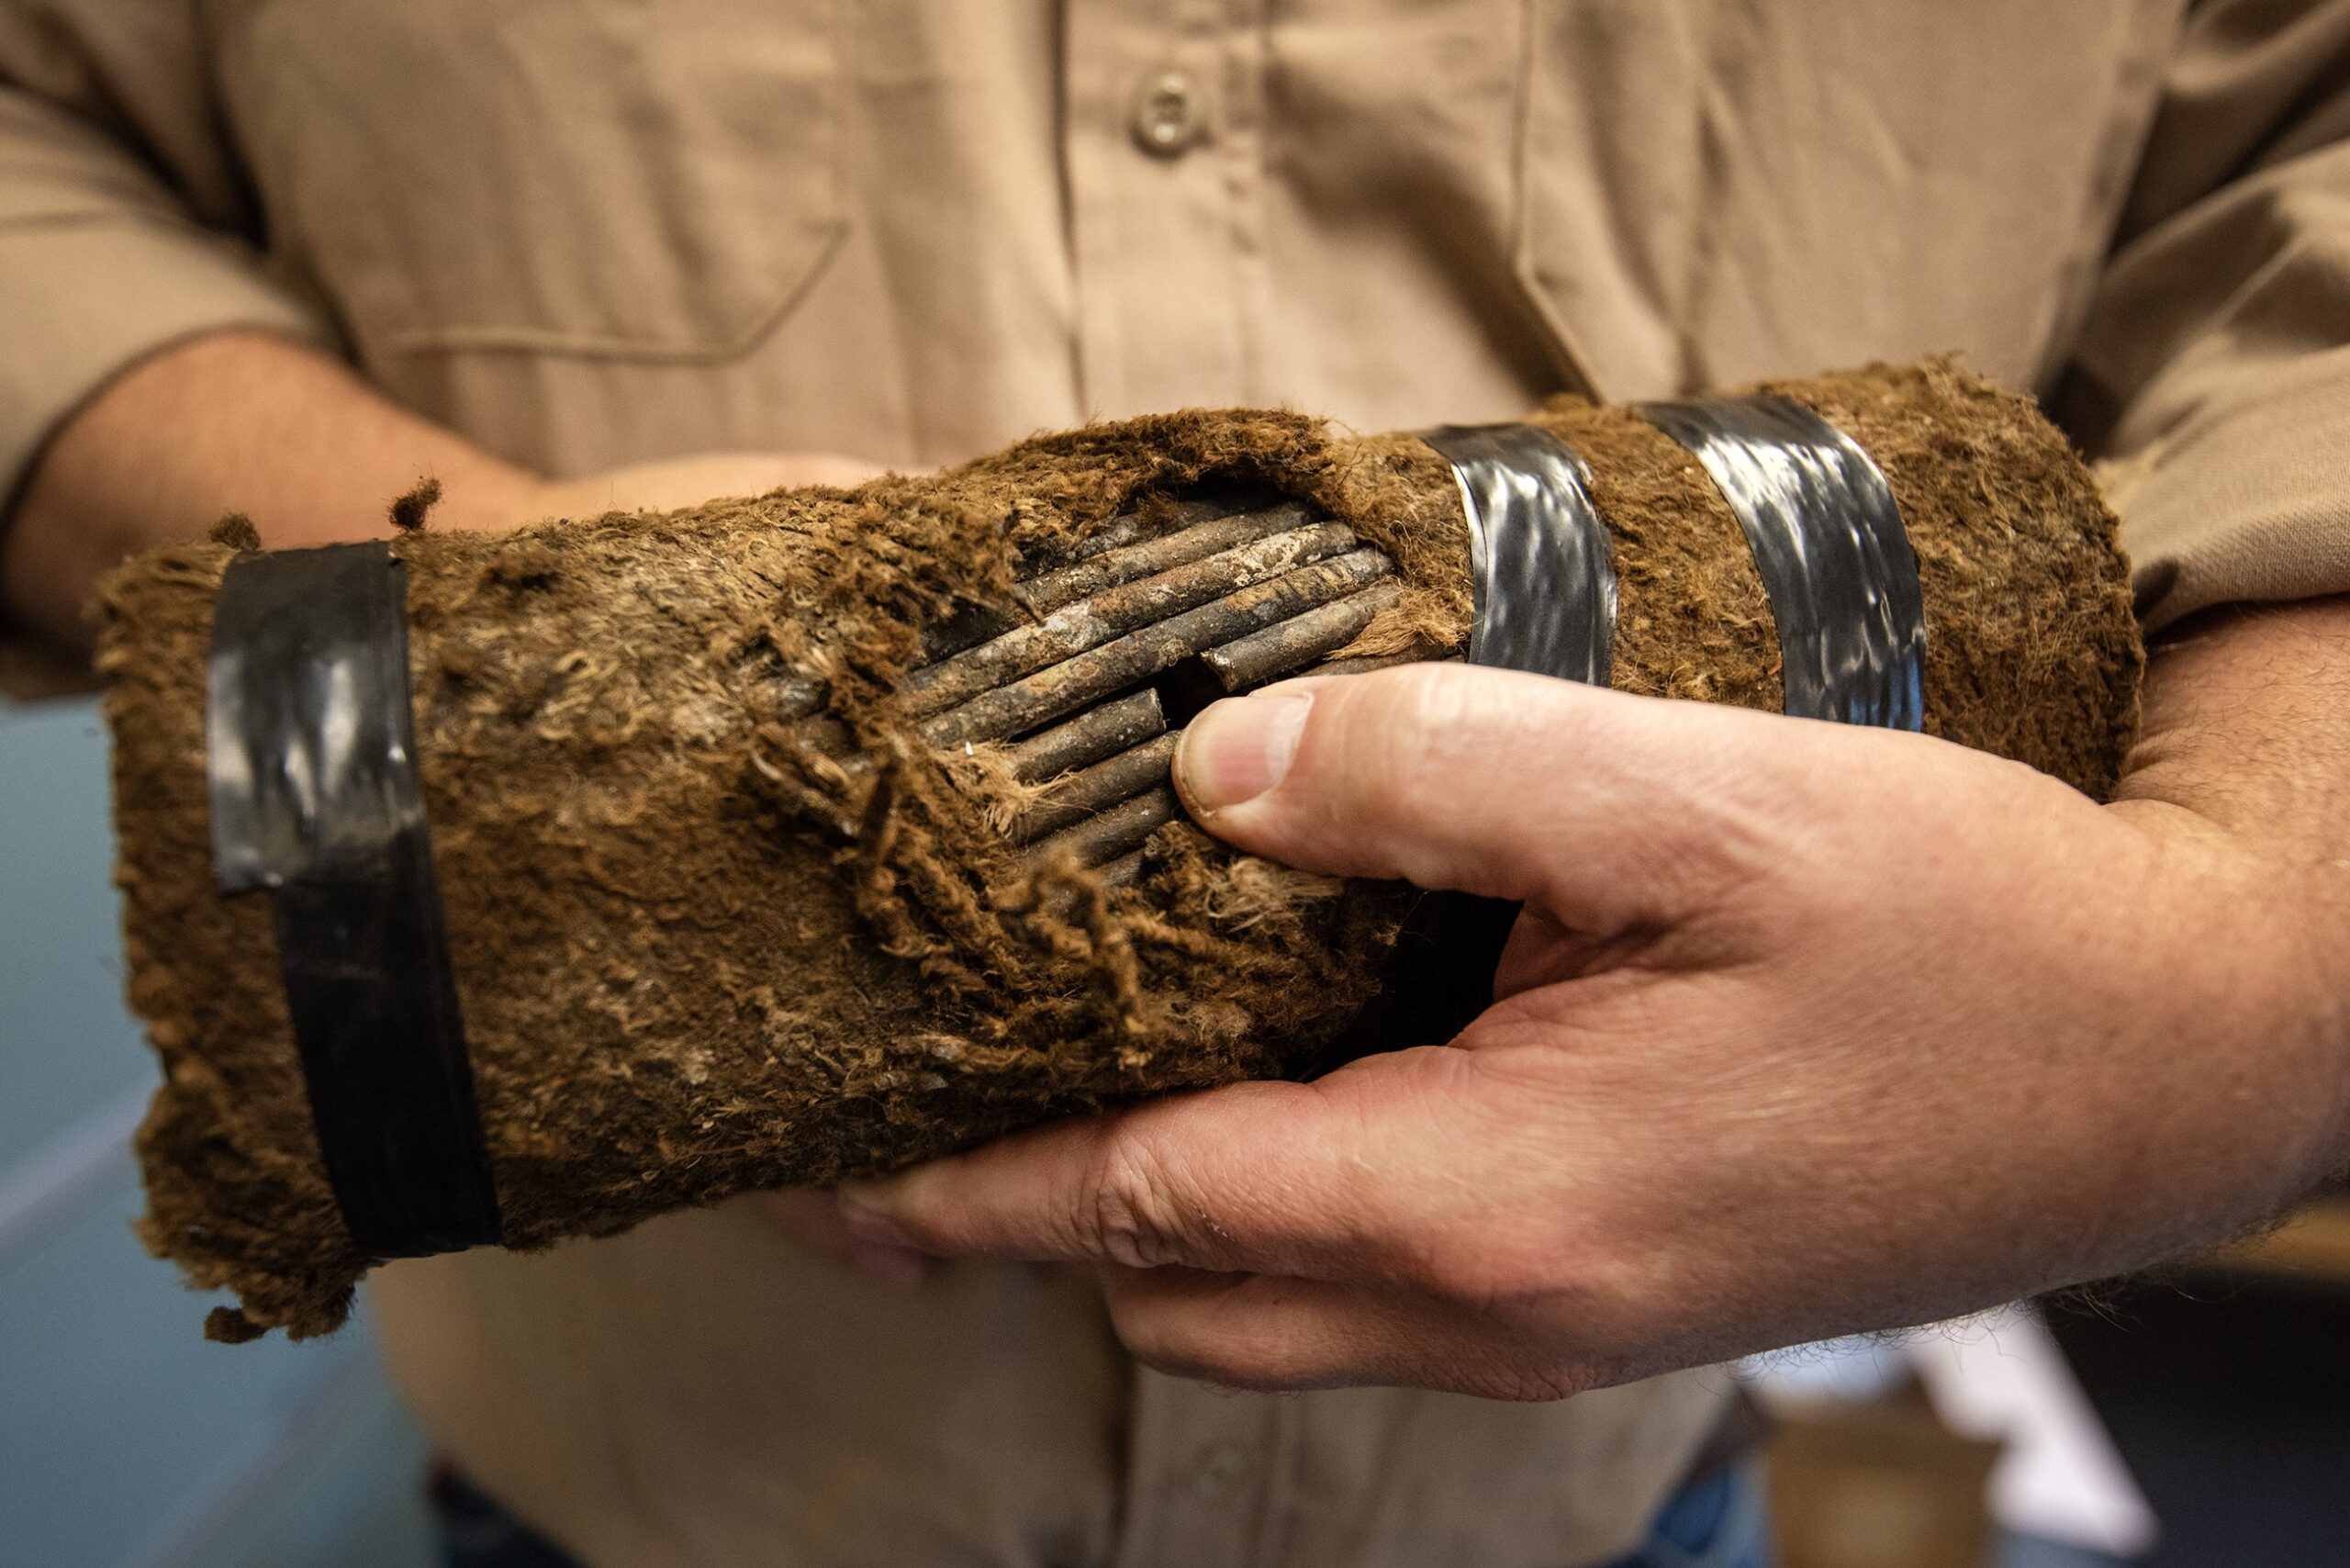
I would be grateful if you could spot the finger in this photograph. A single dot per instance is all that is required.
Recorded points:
(1607, 809)
(1268, 1333)
(1339, 1178)
(813, 1220)
(665, 484)
(829, 468)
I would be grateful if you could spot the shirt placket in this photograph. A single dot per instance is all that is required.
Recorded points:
(1208, 1473)
(1160, 142)
(1161, 147)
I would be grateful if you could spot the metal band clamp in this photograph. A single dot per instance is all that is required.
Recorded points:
(1545, 595)
(1829, 543)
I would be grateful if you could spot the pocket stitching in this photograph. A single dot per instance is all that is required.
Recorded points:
(461, 337)
(386, 309)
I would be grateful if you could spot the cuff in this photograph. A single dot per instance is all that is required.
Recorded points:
(2246, 499)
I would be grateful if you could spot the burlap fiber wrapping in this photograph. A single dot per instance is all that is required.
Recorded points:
(703, 946)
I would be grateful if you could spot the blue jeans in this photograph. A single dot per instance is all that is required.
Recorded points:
(478, 1533)
(1718, 1522)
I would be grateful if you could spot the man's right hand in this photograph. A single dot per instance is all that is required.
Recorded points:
(291, 437)
(674, 482)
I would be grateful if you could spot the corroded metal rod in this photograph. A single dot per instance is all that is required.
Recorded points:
(1088, 738)
(1137, 544)
(1122, 872)
(1043, 594)
(1096, 788)
(1160, 516)
(1105, 837)
(977, 624)
(1290, 645)
(1198, 599)
(1379, 661)
(1113, 613)
(1129, 660)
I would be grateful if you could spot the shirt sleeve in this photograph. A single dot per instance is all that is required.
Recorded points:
(123, 227)
(2213, 380)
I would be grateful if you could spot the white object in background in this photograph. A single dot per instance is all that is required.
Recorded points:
(1997, 1375)
(2001, 1374)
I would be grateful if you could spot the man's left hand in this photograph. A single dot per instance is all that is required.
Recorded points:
(1805, 1030)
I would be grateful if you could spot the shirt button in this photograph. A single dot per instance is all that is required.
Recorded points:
(1168, 115)
(1216, 1468)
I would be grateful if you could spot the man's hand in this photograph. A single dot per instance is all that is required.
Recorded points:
(1805, 1030)
(675, 482)
(246, 422)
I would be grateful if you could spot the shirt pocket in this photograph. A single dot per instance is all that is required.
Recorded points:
(647, 179)
(1713, 193)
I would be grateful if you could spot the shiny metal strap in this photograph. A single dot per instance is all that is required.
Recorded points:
(1545, 595)
(1829, 543)
(1545, 599)
(310, 755)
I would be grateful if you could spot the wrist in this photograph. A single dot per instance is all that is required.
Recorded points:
(233, 421)
(2235, 779)
(2247, 1038)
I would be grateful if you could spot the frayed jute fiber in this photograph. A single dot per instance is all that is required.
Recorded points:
(705, 944)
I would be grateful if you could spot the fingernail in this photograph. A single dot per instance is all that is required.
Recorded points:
(881, 1248)
(1237, 749)
(863, 1213)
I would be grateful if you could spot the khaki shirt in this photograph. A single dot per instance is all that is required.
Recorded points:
(590, 231)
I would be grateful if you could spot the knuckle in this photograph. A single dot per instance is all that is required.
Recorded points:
(1446, 713)
(1399, 746)
(1131, 1215)
(1459, 1276)
(1508, 1281)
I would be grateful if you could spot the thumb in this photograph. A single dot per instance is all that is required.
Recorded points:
(1601, 808)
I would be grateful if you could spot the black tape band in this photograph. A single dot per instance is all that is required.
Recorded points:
(1545, 601)
(310, 755)
(1829, 541)
(1545, 595)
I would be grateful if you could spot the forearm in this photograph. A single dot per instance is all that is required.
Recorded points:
(232, 422)
(2247, 723)
(2247, 735)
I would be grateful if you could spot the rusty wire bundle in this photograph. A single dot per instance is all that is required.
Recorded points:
(1086, 676)
(815, 833)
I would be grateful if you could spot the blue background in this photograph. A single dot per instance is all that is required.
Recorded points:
(124, 1438)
